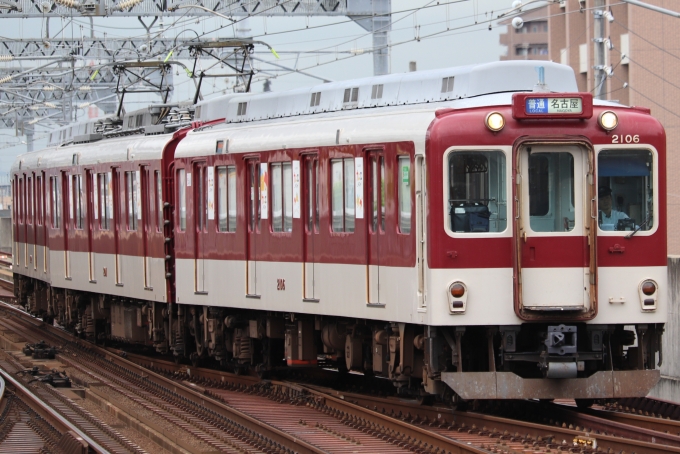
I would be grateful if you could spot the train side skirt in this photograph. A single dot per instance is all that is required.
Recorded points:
(507, 385)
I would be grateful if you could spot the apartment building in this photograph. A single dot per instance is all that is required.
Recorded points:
(529, 42)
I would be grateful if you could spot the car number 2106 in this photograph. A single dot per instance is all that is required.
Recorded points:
(620, 138)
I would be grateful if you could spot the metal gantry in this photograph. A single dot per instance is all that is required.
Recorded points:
(45, 77)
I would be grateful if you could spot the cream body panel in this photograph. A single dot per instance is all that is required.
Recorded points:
(555, 287)
(32, 261)
(132, 275)
(226, 286)
(623, 283)
(489, 301)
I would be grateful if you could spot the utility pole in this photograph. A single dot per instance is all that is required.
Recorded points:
(598, 41)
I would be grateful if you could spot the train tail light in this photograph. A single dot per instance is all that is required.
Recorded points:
(457, 296)
(648, 290)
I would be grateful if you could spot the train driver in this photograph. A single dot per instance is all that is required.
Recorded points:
(608, 218)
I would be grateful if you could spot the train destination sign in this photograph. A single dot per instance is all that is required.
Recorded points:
(545, 106)
(537, 106)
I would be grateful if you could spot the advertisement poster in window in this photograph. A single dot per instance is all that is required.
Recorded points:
(211, 193)
(296, 189)
(137, 195)
(264, 190)
(359, 186)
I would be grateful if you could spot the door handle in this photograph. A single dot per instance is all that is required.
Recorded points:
(593, 213)
(516, 208)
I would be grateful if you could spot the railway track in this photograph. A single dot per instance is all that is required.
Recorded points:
(30, 422)
(326, 420)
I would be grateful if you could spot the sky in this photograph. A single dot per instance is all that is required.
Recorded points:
(434, 34)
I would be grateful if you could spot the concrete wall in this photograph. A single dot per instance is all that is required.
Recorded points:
(669, 386)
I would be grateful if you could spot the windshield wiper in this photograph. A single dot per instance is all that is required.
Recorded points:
(639, 227)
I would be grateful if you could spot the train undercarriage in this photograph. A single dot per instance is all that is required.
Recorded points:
(453, 362)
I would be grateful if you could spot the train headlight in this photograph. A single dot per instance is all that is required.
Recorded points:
(457, 296)
(608, 120)
(648, 290)
(495, 121)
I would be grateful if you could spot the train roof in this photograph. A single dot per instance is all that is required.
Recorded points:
(419, 87)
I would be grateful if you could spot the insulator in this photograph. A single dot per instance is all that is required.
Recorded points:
(125, 4)
(85, 88)
(5, 79)
(68, 3)
(6, 57)
(84, 105)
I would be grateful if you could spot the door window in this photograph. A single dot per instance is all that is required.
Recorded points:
(342, 196)
(551, 192)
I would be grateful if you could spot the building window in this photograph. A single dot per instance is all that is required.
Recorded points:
(282, 197)
(342, 194)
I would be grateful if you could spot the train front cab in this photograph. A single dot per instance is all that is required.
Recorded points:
(553, 255)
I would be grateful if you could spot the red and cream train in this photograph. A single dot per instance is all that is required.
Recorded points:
(440, 229)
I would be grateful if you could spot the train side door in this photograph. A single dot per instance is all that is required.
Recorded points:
(200, 224)
(145, 196)
(90, 216)
(67, 209)
(375, 173)
(420, 229)
(310, 207)
(117, 207)
(253, 218)
(554, 248)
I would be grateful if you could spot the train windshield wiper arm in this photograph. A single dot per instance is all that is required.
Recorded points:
(639, 227)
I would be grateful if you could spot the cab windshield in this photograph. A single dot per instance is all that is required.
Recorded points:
(625, 190)
(476, 192)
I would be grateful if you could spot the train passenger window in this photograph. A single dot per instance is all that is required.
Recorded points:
(131, 198)
(29, 199)
(159, 200)
(77, 191)
(282, 197)
(404, 194)
(20, 205)
(55, 201)
(625, 181)
(342, 194)
(255, 205)
(182, 199)
(551, 192)
(39, 200)
(377, 195)
(103, 182)
(226, 198)
(477, 191)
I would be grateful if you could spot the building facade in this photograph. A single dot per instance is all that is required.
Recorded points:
(530, 42)
(642, 57)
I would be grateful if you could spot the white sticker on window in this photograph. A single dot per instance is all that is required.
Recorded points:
(359, 187)
(264, 190)
(188, 180)
(211, 193)
(296, 189)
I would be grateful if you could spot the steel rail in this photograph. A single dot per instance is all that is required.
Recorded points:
(276, 435)
(51, 415)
